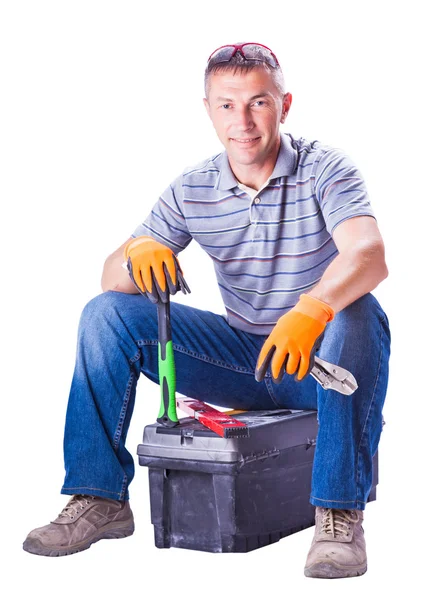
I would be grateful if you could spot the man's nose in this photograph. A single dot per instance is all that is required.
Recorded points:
(243, 118)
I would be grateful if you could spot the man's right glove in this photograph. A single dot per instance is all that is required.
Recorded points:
(292, 344)
(152, 263)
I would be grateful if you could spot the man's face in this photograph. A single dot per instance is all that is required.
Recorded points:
(246, 111)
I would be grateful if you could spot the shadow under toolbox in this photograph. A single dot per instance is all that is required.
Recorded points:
(232, 495)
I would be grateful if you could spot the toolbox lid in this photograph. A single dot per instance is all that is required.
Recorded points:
(270, 432)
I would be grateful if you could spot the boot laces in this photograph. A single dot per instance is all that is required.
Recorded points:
(336, 522)
(75, 504)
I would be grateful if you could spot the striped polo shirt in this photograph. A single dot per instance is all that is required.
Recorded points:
(270, 245)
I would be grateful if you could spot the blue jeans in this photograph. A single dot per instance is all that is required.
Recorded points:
(117, 340)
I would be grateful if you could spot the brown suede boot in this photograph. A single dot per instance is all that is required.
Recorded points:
(84, 520)
(338, 546)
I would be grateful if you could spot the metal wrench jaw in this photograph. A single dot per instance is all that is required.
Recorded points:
(332, 377)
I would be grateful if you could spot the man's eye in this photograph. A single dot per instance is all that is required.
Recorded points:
(225, 105)
(260, 102)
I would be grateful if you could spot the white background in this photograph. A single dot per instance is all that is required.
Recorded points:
(101, 107)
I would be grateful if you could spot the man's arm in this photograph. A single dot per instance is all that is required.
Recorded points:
(359, 267)
(114, 276)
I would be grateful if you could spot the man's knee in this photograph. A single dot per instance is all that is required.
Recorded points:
(362, 313)
(109, 306)
(359, 327)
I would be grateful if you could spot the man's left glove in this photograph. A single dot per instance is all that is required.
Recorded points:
(151, 259)
(292, 344)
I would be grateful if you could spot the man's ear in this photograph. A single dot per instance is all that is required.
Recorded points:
(287, 101)
(207, 106)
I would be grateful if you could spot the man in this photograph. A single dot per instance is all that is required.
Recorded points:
(296, 250)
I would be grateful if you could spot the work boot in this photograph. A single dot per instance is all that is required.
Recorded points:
(84, 520)
(338, 546)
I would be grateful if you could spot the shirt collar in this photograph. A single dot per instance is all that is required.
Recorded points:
(285, 165)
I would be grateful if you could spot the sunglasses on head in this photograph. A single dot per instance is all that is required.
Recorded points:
(249, 50)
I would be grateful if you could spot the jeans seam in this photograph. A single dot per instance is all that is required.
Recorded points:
(270, 389)
(135, 358)
(89, 488)
(202, 357)
(123, 490)
(119, 428)
(121, 421)
(368, 414)
(340, 501)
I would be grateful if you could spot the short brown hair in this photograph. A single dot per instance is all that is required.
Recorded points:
(238, 64)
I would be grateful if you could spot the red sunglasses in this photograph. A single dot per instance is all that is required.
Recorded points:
(249, 50)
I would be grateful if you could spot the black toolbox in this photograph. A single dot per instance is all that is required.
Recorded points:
(232, 495)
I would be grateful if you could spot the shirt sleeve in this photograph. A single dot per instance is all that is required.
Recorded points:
(166, 222)
(340, 189)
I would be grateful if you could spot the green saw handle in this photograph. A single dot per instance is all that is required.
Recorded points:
(166, 367)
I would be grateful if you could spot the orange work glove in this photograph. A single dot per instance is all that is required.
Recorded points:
(294, 340)
(149, 256)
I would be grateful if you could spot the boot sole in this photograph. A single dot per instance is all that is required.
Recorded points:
(331, 570)
(108, 532)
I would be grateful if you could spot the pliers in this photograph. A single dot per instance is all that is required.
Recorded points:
(332, 377)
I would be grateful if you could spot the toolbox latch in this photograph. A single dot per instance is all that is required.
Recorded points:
(187, 436)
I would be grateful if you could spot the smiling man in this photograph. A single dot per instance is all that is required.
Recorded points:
(296, 249)
(246, 110)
